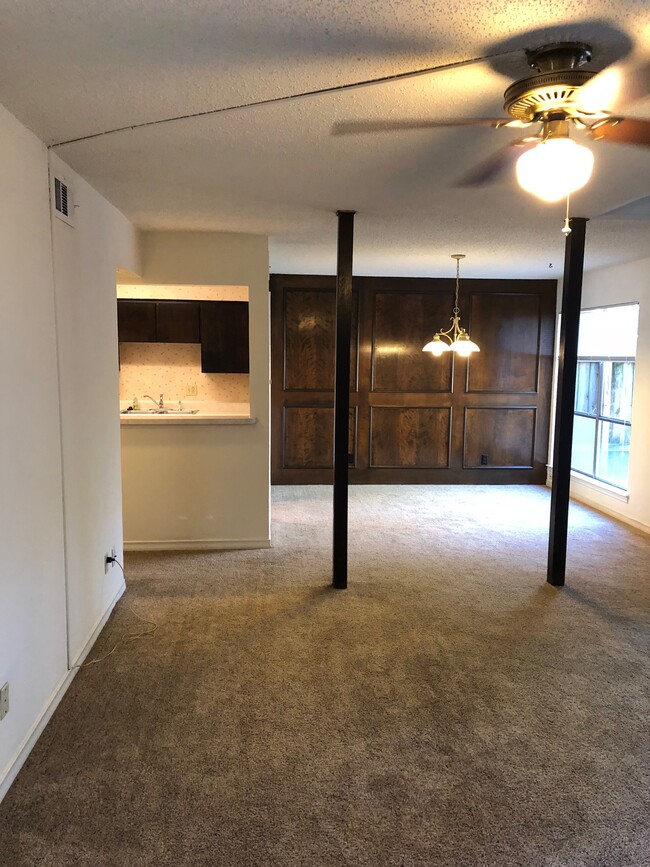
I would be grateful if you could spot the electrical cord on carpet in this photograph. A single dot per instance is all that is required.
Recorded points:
(127, 639)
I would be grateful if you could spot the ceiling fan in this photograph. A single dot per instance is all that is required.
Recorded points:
(559, 96)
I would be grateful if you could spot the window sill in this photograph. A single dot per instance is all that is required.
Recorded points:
(601, 487)
(593, 484)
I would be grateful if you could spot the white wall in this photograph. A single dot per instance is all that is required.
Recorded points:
(59, 451)
(221, 474)
(85, 260)
(603, 287)
(33, 655)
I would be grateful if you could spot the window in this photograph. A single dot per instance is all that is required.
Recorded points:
(604, 386)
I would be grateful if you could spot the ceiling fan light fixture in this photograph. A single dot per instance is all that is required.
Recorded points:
(554, 168)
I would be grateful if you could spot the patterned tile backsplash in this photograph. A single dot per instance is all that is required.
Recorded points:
(172, 369)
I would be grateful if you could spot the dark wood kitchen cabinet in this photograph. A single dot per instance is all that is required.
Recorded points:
(158, 321)
(178, 322)
(136, 321)
(221, 327)
(224, 337)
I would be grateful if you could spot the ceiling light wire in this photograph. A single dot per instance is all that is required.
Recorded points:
(287, 97)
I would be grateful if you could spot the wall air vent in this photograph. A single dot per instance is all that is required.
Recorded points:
(62, 200)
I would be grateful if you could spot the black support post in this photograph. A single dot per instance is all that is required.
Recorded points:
(342, 397)
(574, 255)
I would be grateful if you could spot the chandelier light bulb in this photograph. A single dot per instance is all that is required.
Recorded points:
(554, 168)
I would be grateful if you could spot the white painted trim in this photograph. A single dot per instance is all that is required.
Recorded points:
(11, 771)
(598, 506)
(594, 484)
(92, 638)
(580, 492)
(600, 487)
(197, 545)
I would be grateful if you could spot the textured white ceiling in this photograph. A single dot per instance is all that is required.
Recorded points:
(70, 69)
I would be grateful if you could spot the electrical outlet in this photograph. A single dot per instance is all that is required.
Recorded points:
(109, 560)
(191, 390)
(484, 460)
(4, 700)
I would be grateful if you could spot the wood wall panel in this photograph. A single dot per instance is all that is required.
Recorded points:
(506, 435)
(415, 418)
(403, 323)
(506, 326)
(409, 437)
(310, 336)
(309, 439)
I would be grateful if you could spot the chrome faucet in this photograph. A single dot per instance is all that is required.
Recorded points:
(159, 403)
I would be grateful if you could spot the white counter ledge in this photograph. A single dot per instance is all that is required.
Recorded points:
(196, 412)
(199, 418)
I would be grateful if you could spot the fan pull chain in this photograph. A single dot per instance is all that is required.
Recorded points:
(566, 228)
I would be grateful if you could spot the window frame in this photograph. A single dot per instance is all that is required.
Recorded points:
(599, 417)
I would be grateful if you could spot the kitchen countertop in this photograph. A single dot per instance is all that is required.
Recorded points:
(207, 414)
(199, 418)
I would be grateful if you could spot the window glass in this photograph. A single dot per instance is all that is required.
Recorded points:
(613, 453)
(587, 387)
(582, 449)
(609, 331)
(604, 391)
(618, 381)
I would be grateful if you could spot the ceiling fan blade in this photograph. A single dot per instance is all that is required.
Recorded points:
(625, 130)
(499, 162)
(355, 127)
(613, 88)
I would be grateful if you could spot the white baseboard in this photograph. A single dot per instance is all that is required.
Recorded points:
(582, 493)
(10, 773)
(198, 545)
(598, 506)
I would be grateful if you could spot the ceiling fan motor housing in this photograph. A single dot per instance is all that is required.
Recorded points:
(555, 85)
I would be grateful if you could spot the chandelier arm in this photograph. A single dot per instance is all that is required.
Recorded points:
(445, 334)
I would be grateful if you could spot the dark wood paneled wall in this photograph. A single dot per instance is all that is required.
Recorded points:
(413, 418)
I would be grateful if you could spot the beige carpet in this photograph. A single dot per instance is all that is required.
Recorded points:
(450, 708)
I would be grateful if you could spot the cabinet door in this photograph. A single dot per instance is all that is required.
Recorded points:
(224, 337)
(136, 321)
(178, 322)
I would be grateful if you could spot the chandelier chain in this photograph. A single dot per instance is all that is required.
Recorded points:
(456, 308)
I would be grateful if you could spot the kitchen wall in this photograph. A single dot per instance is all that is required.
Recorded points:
(174, 369)
(182, 293)
(621, 284)
(59, 433)
(230, 507)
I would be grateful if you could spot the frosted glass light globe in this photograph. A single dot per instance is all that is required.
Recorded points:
(554, 168)
(436, 346)
(464, 347)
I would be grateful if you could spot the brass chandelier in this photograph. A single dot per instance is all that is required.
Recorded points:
(454, 339)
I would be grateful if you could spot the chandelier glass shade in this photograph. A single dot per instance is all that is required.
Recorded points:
(454, 339)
